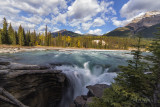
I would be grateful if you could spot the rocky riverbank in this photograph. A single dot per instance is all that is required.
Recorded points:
(15, 49)
(94, 91)
(32, 85)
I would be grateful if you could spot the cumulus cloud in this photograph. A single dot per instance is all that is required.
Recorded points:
(119, 23)
(98, 22)
(86, 26)
(135, 7)
(24, 24)
(83, 8)
(79, 32)
(32, 14)
(82, 13)
(34, 19)
(96, 31)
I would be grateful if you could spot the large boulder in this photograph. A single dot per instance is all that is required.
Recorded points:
(96, 90)
(80, 102)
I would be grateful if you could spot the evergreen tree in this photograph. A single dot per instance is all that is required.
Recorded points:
(0, 36)
(5, 38)
(155, 69)
(27, 38)
(16, 37)
(33, 38)
(46, 37)
(131, 86)
(49, 39)
(21, 36)
(12, 38)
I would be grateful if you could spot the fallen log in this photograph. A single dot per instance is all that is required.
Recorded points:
(11, 98)
(6, 100)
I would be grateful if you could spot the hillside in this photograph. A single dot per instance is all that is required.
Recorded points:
(66, 33)
(121, 32)
(145, 24)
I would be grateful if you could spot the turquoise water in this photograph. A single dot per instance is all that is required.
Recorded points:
(104, 59)
(82, 67)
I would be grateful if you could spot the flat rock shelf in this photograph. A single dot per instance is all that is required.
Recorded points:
(30, 85)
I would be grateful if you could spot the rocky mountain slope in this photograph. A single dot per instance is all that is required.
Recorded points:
(66, 33)
(145, 24)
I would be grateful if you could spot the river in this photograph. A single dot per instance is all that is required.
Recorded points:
(82, 67)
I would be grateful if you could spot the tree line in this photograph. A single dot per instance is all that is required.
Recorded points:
(138, 83)
(21, 37)
(27, 38)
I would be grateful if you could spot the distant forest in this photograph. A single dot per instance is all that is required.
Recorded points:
(21, 37)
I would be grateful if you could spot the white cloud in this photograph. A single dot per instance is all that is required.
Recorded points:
(83, 8)
(24, 24)
(81, 14)
(119, 23)
(84, 13)
(135, 7)
(79, 32)
(96, 31)
(86, 26)
(61, 18)
(41, 28)
(98, 22)
(40, 7)
(55, 29)
(47, 21)
(34, 19)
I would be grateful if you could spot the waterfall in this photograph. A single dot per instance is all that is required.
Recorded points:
(79, 78)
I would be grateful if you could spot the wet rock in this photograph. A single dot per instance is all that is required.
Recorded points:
(2, 67)
(72, 105)
(4, 63)
(2, 72)
(79, 101)
(16, 66)
(96, 90)
(84, 97)
(33, 85)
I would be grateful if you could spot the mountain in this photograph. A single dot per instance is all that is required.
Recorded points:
(66, 33)
(145, 24)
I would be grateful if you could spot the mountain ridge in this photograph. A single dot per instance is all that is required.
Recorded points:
(147, 22)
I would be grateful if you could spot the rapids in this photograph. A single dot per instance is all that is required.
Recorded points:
(82, 67)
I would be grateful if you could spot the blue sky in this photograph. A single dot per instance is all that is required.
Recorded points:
(81, 16)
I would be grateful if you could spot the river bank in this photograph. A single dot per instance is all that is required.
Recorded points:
(15, 49)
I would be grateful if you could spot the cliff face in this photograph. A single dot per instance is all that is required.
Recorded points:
(34, 86)
(147, 20)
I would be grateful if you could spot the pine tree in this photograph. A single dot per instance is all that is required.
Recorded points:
(131, 86)
(5, 38)
(49, 39)
(12, 38)
(0, 36)
(21, 36)
(33, 38)
(46, 37)
(155, 69)
(16, 37)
